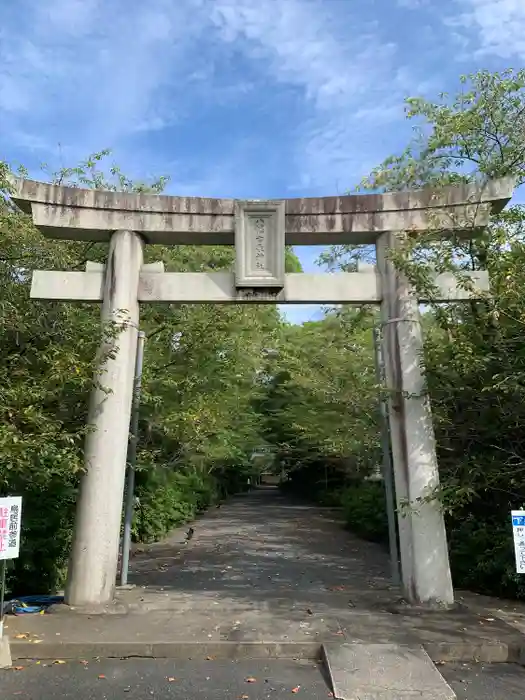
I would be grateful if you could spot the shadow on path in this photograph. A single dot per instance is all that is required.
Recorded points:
(264, 546)
(268, 564)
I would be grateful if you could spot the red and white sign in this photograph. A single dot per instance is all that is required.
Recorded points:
(10, 523)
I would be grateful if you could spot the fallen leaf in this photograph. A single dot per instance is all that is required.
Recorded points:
(296, 689)
(251, 679)
(59, 661)
(209, 658)
(18, 668)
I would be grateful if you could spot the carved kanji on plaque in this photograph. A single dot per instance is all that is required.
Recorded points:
(259, 244)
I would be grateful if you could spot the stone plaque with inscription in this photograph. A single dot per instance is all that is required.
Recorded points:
(259, 243)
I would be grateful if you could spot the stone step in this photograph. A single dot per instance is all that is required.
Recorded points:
(383, 672)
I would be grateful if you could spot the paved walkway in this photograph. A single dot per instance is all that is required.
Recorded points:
(264, 551)
(270, 576)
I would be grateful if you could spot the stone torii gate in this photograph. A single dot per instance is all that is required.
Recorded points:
(259, 230)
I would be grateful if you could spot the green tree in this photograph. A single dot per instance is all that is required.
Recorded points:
(319, 401)
(475, 353)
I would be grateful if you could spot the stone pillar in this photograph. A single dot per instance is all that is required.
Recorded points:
(94, 556)
(423, 541)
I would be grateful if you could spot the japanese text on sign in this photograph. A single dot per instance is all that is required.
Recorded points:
(260, 239)
(518, 531)
(10, 521)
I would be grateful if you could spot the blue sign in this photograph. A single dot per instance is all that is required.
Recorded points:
(518, 532)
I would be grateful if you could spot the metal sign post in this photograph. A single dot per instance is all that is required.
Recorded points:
(3, 568)
(132, 459)
(10, 520)
(387, 462)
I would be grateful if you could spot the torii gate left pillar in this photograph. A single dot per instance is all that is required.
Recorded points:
(99, 506)
(260, 230)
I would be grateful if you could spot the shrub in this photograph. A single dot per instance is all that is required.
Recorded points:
(364, 510)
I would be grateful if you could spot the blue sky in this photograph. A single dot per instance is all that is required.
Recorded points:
(237, 98)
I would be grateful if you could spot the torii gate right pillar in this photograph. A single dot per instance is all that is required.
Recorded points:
(425, 567)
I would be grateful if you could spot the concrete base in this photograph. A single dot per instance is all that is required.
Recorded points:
(383, 672)
(113, 608)
(5, 653)
(403, 607)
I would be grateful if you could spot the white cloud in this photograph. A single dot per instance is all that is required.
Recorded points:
(102, 70)
(413, 4)
(298, 44)
(349, 79)
(99, 63)
(494, 27)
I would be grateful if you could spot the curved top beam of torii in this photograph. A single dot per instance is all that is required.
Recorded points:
(92, 215)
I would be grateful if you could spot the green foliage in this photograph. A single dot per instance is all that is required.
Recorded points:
(168, 498)
(364, 510)
(476, 133)
(316, 383)
(481, 556)
(480, 548)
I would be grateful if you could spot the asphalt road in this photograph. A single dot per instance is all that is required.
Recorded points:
(485, 681)
(138, 679)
